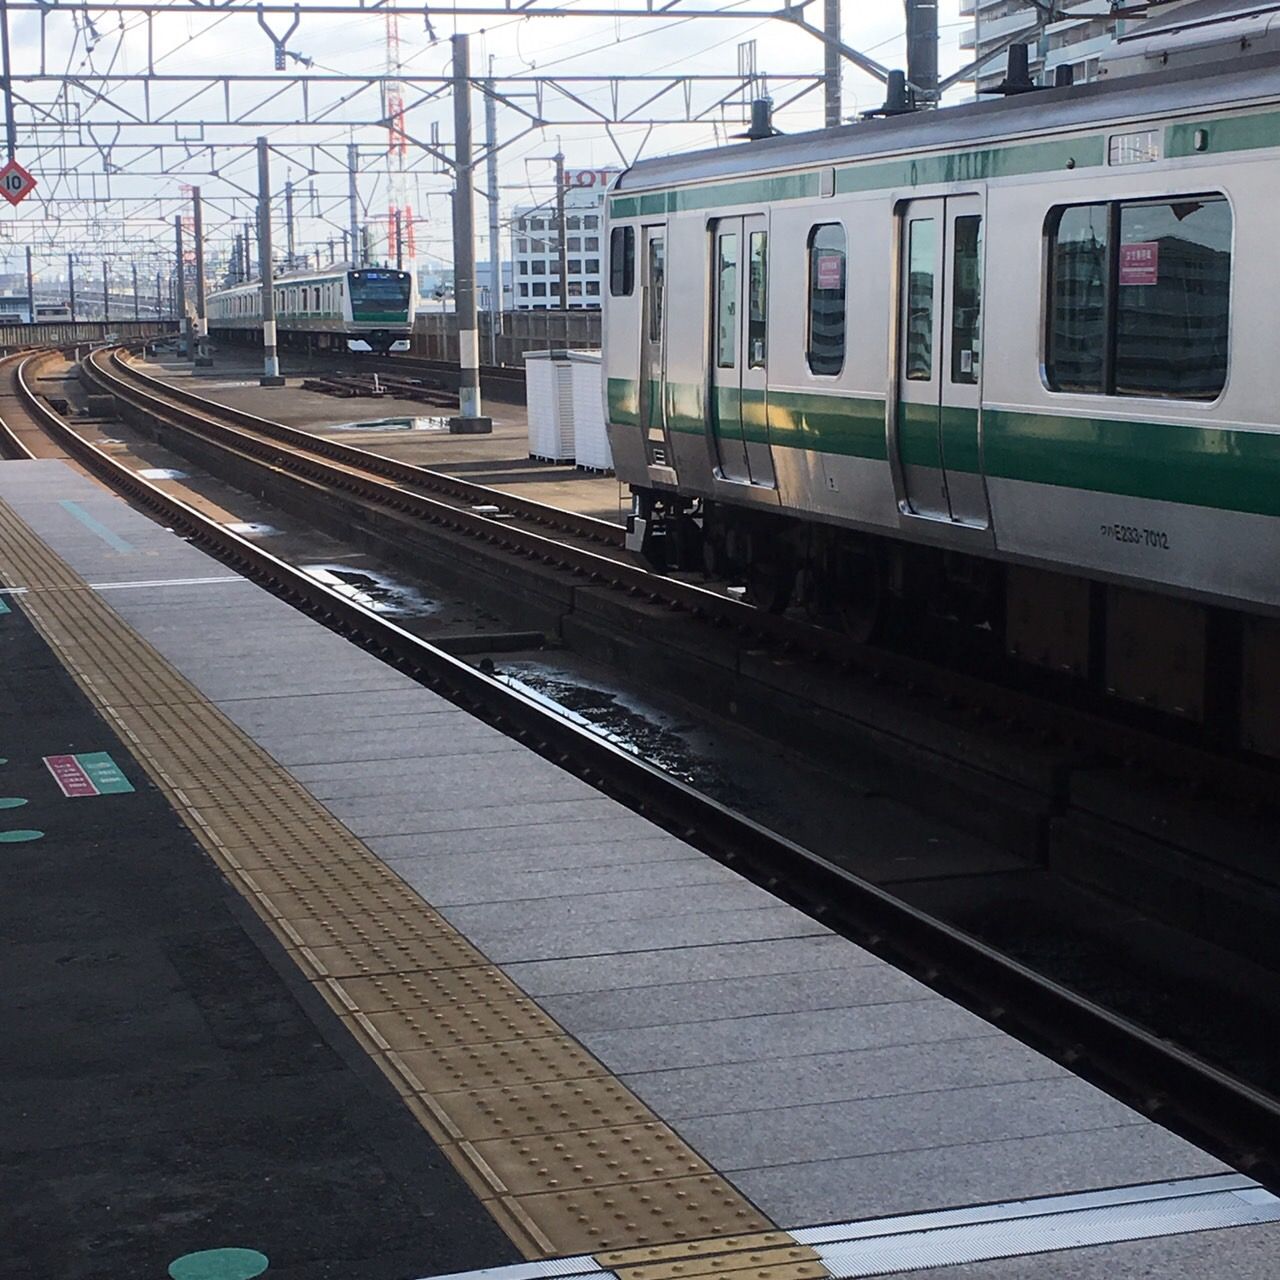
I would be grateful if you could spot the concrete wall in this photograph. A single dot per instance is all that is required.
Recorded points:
(435, 336)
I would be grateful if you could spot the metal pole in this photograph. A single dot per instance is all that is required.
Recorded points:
(133, 270)
(331, 251)
(399, 241)
(106, 295)
(353, 201)
(31, 290)
(10, 126)
(202, 360)
(159, 295)
(248, 252)
(71, 287)
(288, 226)
(270, 361)
(469, 419)
(922, 51)
(495, 243)
(180, 282)
(831, 62)
(346, 247)
(564, 243)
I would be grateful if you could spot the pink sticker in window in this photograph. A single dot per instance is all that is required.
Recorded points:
(829, 271)
(1140, 263)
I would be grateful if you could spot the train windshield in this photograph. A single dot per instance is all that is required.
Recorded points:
(380, 295)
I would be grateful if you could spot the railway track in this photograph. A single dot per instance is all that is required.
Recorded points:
(592, 549)
(1239, 1123)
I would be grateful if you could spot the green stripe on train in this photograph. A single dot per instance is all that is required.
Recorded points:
(1226, 468)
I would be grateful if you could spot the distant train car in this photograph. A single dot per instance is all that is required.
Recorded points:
(1011, 363)
(365, 309)
(49, 312)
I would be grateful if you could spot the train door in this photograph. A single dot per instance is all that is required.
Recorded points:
(940, 360)
(653, 371)
(738, 393)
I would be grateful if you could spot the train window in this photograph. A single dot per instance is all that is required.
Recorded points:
(1173, 282)
(921, 254)
(1139, 298)
(726, 300)
(966, 298)
(1077, 329)
(757, 299)
(657, 284)
(317, 297)
(825, 346)
(622, 261)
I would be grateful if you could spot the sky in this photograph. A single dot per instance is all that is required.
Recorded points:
(221, 43)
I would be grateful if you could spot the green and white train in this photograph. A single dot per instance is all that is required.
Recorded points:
(1016, 362)
(358, 309)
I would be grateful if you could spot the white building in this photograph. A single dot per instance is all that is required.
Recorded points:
(535, 245)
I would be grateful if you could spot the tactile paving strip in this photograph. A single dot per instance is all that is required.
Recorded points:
(565, 1157)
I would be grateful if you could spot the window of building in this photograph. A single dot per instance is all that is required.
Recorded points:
(622, 261)
(574, 224)
(522, 268)
(592, 267)
(537, 224)
(521, 224)
(575, 244)
(522, 246)
(826, 334)
(575, 289)
(1138, 298)
(593, 288)
(575, 266)
(538, 267)
(591, 243)
(591, 222)
(524, 290)
(539, 290)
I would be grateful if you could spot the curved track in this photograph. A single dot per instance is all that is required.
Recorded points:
(1237, 1122)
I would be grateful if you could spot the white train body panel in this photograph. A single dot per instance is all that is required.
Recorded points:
(1167, 490)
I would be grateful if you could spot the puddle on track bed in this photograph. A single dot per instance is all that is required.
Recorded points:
(365, 586)
(663, 741)
(391, 424)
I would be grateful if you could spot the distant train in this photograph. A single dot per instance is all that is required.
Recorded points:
(1012, 363)
(51, 312)
(365, 309)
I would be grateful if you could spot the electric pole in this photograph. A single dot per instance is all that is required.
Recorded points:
(180, 283)
(495, 243)
(288, 226)
(106, 294)
(201, 360)
(353, 201)
(831, 61)
(270, 360)
(71, 286)
(31, 290)
(137, 312)
(469, 419)
(922, 51)
(564, 243)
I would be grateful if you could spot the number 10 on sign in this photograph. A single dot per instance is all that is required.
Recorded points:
(15, 183)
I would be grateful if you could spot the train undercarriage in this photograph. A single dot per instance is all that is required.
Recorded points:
(1199, 664)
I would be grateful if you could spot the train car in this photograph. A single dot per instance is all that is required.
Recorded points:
(358, 309)
(52, 312)
(1011, 362)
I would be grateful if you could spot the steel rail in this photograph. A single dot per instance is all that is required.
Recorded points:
(601, 531)
(11, 447)
(1085, 729)
(1239, 1123)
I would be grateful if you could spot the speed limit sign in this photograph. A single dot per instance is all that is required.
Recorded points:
(15, 182)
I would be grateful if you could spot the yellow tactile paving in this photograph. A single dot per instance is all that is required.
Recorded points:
(567, 1159)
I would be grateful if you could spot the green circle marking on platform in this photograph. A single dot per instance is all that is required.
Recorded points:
(219, 1264)
(20, 837)
(12, 802)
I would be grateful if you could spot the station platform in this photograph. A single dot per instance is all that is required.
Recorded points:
(313, 973)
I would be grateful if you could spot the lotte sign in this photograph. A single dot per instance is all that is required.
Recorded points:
(16, 184)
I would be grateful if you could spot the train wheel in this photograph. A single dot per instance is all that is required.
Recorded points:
(770, 581)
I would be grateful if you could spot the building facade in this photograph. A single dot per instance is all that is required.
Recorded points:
(535, 245)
